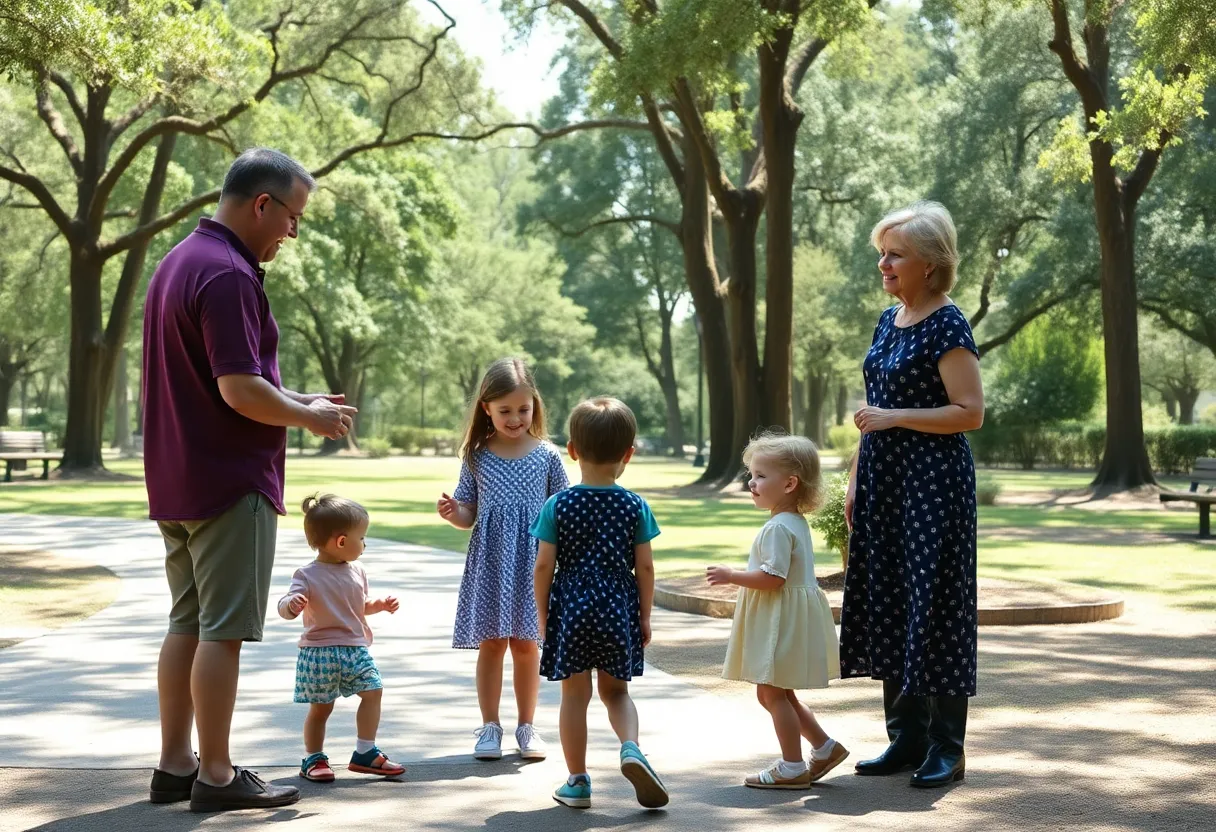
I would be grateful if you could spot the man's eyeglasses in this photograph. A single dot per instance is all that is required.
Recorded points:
(294, 217)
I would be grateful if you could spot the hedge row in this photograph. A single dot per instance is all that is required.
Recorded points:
(413, 441)
(1171, 450)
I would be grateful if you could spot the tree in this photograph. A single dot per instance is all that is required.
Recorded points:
(681, 58)
(352, 285)
(143, 74)
(1161, 93)
(1049, 373)
(29, 301)
(1178, 368)
(609, 203)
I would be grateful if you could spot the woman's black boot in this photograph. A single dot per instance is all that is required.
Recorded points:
(946, 761)
(907, 729)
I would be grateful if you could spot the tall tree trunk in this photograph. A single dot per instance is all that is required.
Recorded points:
(780, 119)
(842, 403)
(818, 383)
(25, 383)
(1171, 405)
(87, 357)
(1186, 406)
(701, 275)
(122, 412)
(798, 401)
(6, 389)
(93, 352)
(671, 391)
(1125, 464)
(742, 223)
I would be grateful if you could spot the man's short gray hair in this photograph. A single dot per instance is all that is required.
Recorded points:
(930, 229)
(261, 170)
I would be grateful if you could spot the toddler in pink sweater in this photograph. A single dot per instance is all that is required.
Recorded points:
(334, 661)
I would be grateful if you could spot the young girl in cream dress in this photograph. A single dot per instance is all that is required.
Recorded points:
(783, 638)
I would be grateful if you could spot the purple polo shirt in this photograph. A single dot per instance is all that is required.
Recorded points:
(207, 316)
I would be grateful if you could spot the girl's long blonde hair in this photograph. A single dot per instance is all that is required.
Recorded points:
(502, 378)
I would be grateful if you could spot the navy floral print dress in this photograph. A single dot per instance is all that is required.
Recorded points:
(496, 592)
(595, 618)
(909, 609)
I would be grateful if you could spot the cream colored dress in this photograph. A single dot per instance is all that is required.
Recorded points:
(783, 637)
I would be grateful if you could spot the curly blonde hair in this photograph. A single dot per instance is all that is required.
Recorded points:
(795, 456)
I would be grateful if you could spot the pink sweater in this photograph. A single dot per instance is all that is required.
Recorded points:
(337, 595)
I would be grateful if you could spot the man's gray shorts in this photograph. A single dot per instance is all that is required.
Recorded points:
(219, 571)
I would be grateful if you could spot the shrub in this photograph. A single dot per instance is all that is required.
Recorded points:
(375, 448)
(1173, 450)
(414, 441)
(843, 437)
(829, 520)
(987, 489)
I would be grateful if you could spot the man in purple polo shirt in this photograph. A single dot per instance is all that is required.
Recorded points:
(215, 437)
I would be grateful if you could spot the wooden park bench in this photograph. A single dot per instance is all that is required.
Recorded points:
(1204, 473)
(17, 447)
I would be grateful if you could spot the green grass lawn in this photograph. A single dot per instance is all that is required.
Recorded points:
(1083, 546)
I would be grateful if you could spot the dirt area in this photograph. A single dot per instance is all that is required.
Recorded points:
(40, 591)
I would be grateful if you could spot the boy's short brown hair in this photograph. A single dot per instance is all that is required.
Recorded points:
(602, 430)
(326, 516)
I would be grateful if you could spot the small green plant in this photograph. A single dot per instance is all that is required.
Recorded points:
(987, 489)
(829, 520)
(375, 448)
(843, 437)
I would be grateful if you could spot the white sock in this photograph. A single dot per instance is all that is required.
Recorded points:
(824, 751)
(787, 769)
(364, 746)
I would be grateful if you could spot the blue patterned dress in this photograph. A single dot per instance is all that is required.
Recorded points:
(594, 609)
(496, 596)
(909, 610)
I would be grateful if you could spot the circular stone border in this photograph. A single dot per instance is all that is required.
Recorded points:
(1085, 612)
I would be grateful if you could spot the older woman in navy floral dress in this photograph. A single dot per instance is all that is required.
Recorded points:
(909, 612)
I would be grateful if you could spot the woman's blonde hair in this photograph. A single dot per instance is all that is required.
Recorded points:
(796, 456)
(930, 229)
(502, 378)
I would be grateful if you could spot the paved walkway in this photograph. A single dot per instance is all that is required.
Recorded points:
(1098, 727)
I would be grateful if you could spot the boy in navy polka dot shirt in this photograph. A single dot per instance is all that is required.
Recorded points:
(594, 591)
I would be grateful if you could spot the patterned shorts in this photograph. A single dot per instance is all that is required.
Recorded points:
(325, 673)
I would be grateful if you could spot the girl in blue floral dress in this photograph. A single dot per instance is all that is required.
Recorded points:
(508, 472)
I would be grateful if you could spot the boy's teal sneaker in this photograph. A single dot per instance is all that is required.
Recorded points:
(650, 790)
(576, 794)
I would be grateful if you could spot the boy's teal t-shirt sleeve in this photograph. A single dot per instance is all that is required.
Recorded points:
(545, 526)
(648, 527)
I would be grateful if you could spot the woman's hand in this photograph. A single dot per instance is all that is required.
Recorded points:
(869, 419)
(719, 575)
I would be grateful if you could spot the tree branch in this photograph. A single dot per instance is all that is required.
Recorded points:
(596, 26)
(178, 124)
(803, 60)
(151, 229)
(39, 191)
(1137, 182)
(1093, 96)
(1021, 323)
(1167, 318)
(626, 219)
(69, 92)
(54, 123)
(650, 363)
(131, 116)
(694, 124)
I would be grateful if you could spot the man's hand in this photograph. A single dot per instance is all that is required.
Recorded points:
(309, 398)
(330, 419)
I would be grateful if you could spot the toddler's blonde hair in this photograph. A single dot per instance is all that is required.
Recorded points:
(796, 456)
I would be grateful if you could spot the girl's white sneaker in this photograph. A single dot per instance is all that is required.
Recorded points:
(489, 742)
(531, 746)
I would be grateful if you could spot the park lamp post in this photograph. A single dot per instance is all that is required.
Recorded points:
(699, 460)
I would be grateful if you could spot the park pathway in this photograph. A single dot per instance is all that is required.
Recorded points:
(1096, 727)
